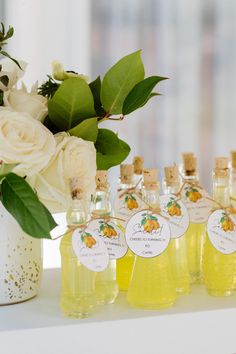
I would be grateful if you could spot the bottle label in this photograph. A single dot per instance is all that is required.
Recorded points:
(176, 211)
(112, 236)
(126, 204)
(90, 249)
(147, 234)
(222, 231)
(199, 208)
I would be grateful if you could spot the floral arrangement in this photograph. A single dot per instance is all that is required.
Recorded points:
(52, 133)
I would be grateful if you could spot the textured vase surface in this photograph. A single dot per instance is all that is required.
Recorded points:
(20, 262)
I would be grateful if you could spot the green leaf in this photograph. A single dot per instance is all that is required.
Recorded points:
(95, 87)
(5, 169)
(153, 94)
(48, 123)
(126, 198)
(4, 80)
(169, 204)
(87, 130)
(111, 150)
(120, 80)
(140, 94)
(143, 222)
(23, 204)
(71, 104)
(1, 97)
(5, 54)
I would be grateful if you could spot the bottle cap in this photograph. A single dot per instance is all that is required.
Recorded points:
(233, 159)
(171, 175)
(102, 180)
(221, 166)
(138, 164)
(190, 163)
(126, 173)
(76, 188)
(150, 176)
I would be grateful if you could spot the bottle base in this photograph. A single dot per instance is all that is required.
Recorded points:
(196, 279)
(183, 291)
(76, 314)
(106, 292)
(76, 309)
(220, 293)
(151, 306)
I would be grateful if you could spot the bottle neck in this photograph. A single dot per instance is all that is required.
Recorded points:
(170, 189)
(221, 191)
(77, 213)
(232, 181)
(193, 177)
(151, 196)
(101, 203)
(124, 186)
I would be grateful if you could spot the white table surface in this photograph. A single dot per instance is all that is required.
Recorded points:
(197, 324)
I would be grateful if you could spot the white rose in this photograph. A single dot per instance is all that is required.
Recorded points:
(30, 102)
(25, 141)
(74, 157)
(60, 74)
(12, 71)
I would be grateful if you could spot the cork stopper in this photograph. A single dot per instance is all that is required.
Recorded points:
(233, 159)
(171, 175)
(76, 189)
(126, 173)
(189, 163)
(221, 166)
(102, 180)
(138, 164)
(150, 178)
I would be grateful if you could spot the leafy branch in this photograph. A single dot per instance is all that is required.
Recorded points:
(4, 36)
(48, 88)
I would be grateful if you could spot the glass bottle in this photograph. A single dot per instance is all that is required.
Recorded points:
(232, 178)
(219, 268)
(138, 171)
(196, 233)
(106, 288)
(152, 284)
(78, 283)
(124, 265)
(177, 247)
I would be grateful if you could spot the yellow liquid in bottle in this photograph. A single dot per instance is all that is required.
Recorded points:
(106, 287)
(219, 269)
(178, 258)
(152, 285)
(195, 238)
(124, 268)
(78, 283)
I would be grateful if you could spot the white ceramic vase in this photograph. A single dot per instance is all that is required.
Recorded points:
(20, 262)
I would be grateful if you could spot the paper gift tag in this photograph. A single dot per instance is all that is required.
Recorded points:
(90, 249)
(111, 235)
(147, 234)
(177, 213)
(126, 204)
(222, 232)
(199, 208)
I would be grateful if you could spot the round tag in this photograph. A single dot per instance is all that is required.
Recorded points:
(126, 204)
(111, 235)
(147, 234)
(90, 249)
(199, 208)
(222, 231)
(177, 213)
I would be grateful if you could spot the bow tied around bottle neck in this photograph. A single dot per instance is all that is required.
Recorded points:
(229, 210)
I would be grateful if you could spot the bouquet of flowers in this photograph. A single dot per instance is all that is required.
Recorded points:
(52, 133)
